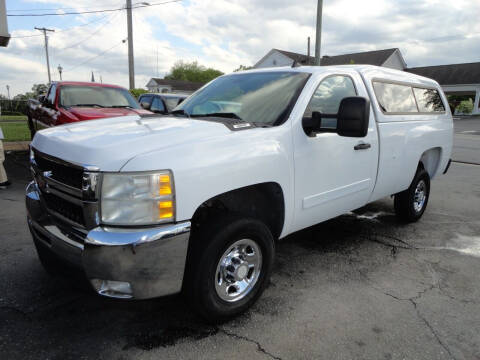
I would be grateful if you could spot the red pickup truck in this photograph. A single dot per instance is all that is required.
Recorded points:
(69, 101)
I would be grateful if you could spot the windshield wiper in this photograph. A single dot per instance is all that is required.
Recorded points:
(121, 106)
(90, 105)
(180, 112)
(228, 115)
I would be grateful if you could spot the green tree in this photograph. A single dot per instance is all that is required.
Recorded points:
(137, 92)
(24, 97)
(39, 89)
(243, 68)
(192, 72)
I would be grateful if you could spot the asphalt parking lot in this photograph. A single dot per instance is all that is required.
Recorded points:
(361, 286)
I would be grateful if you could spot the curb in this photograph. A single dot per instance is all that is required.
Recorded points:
(16, 145)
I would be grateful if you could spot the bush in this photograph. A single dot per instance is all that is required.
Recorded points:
(465, 107)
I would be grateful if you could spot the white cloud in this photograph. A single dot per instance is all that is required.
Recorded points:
(224, 34)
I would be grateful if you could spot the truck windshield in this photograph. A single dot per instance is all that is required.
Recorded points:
(96, 96)
(262, 98)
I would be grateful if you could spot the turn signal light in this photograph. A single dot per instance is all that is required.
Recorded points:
(165, 209)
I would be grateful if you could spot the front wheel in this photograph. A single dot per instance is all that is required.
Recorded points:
(411, 203)
(230, 265)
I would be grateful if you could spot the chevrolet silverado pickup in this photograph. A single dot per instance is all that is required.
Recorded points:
(194, 202)
(70, 101)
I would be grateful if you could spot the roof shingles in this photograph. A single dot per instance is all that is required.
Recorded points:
(376, 57)
(454, 74)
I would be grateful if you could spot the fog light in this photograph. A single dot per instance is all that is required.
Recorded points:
(114, 289)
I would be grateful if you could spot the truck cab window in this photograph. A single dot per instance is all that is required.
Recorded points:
(326, 99)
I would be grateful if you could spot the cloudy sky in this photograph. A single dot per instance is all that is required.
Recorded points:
(224, 34)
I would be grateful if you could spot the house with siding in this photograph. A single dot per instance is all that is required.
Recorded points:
(455, 79)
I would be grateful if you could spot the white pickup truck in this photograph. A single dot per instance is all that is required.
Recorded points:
(195, 201)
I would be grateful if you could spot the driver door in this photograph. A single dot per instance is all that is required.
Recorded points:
(332, 174)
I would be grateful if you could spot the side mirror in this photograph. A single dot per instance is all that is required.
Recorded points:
(41, 99)
(353, 116)
(312, 124)
(145, 105)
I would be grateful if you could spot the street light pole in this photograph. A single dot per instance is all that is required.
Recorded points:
(131, 69)
(318, 39)
(44, 30)
(60, 69)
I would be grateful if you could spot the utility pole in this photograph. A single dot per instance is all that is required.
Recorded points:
(131, 70)
(44, 30)
(318, 39)
(308, 51)
(8, 91)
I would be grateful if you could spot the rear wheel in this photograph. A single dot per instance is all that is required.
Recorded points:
(411, 203)
(229, 266)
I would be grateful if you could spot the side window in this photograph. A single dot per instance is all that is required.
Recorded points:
(326, 99)
(395, 98)
(428, 100)
(157, 105)
(51, 94)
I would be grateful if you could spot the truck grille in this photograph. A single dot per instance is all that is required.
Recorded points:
(70, 175)
(65, 208)
(66, 191)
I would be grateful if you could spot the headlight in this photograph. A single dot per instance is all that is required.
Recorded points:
(137, 198)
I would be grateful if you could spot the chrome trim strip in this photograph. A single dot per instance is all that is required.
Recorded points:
(102, 236)
(69, 198)
(61, 186)
(84, 167)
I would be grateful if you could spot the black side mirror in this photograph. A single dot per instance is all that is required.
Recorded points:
(41, 99)
(353, 115)
(312, 124)
(145, 105)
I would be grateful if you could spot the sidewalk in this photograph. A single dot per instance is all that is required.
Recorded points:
(16, 145)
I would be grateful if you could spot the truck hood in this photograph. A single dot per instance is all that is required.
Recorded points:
(110, 143)
(83, 113)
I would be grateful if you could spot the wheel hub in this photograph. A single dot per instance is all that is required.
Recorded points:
(238, 270)
(420, 196)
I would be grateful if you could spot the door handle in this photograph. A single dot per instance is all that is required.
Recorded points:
(362, 146)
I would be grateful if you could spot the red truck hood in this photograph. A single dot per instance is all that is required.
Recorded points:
(99, 113)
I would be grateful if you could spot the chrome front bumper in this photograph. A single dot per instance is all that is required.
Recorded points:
(123, 263)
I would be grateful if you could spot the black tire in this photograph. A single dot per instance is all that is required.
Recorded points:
(31, 128)
(406, 207)
(207, 248)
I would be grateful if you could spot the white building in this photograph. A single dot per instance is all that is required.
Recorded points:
(157, 85)
(391, 58)
(455, 79)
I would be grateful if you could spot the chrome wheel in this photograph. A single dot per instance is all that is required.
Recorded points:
(238, 270)
(420, 196)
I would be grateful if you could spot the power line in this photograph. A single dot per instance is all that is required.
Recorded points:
(137, 6)
(62, 30)
(96, 56)
(92, 34)
(53, 9)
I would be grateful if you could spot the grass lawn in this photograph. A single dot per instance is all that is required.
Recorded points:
(15, 131)
(13, 118)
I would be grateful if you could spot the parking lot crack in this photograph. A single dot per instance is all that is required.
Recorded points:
(432, 330)
(260, 348)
